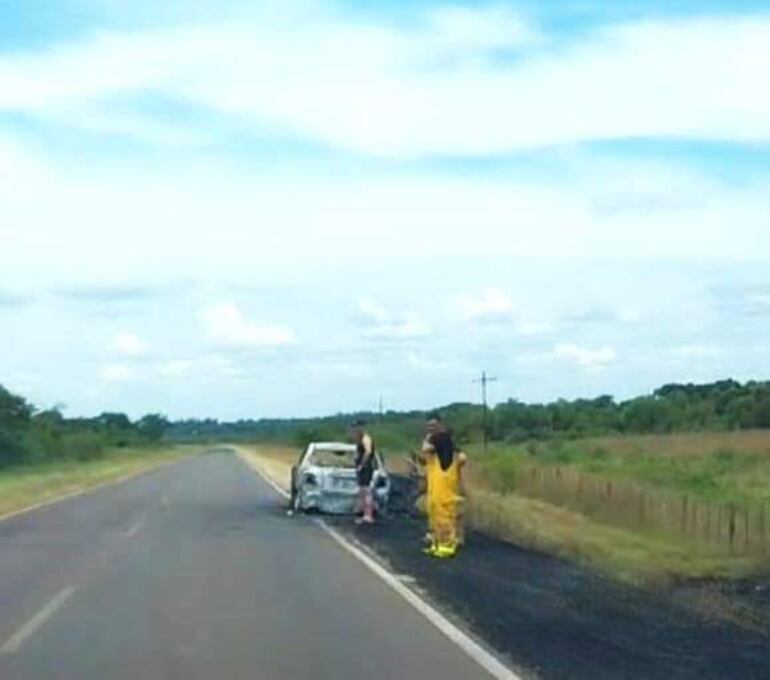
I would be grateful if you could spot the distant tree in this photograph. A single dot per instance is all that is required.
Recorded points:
(762, 412)
(646, 414)
(114, 421)
(15, 416)
(739, 413)
(153, 426)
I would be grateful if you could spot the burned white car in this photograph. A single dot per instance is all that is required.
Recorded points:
(325, 480)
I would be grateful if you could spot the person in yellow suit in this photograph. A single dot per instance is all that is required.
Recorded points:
(443, 474)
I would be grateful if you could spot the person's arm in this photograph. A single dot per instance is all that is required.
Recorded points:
(368, 450)
(426, 450)
(462, 461)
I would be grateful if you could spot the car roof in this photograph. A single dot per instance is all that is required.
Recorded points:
(332, 446)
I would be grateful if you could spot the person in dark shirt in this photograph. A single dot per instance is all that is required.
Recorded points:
(443, 465)
(364, 470)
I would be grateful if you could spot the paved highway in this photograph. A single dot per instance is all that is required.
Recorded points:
(194, 571)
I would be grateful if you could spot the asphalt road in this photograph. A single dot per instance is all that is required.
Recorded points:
(194, 571)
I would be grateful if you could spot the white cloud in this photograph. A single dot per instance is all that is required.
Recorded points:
(382, 325)
(493, 305)
(176, 367)
(696, 351)
(128, 344)
(338, 369)
(629, 316)
(225, 325)
(496, 306)
(598, 314)
(532, 328)
(586, 357)
(693, 78)
(266, 214)
(464, 29)
(372, 312)
(117, 373)
(420, 362)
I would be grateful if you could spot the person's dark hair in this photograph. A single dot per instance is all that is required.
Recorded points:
(435, 415)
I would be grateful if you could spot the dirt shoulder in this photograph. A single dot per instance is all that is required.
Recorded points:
(25, 487)
(275, 462)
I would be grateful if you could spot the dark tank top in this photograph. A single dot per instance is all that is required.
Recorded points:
(361, 451)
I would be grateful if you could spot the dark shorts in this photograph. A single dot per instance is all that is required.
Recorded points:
(364, 475)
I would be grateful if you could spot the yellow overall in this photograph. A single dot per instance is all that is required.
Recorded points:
(442, 496)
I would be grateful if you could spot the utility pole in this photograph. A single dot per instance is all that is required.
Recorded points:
(484, 380)
(381, 412)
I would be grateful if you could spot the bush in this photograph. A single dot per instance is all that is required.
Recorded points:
(12, 449)
(83, 446)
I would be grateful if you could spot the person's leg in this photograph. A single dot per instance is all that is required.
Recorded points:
(368, 505)
(446, 528)
(369, 499)
(460, 523)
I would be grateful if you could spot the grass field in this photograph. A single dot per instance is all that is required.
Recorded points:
(21, 487)
(695, 505)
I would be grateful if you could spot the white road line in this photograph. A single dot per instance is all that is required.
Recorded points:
(480, 655)
(485, 659)
(136, 527)
(14, 643)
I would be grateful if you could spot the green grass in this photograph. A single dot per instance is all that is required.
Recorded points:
(726, 468)
(642, 507)
(28, 485)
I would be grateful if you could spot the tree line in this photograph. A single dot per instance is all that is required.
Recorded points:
(719, 406)
(30, 435)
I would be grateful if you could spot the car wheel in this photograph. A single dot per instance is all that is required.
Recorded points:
(294, 501)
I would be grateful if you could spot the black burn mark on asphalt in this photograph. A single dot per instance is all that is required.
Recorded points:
(562, 621)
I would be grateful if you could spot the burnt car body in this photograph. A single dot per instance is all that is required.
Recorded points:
(325, 480)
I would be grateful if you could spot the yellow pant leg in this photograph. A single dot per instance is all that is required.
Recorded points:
(446, 523)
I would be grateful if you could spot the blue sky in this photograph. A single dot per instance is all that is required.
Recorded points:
(288, 208)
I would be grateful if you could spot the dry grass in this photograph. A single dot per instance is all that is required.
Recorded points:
(275, 462)
(27, 486)
(752, 442)
(629, 555)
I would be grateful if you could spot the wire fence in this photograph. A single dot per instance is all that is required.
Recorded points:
(737, 527)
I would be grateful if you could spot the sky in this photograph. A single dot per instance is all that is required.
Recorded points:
(243, 210)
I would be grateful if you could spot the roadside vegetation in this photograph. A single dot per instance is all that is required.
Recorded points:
(29, 436)
(26, 485)
(646, 507)
(44, 455)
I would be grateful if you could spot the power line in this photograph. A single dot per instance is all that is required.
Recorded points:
(484, 380)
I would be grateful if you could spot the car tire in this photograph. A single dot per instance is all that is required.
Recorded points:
(294, 500)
